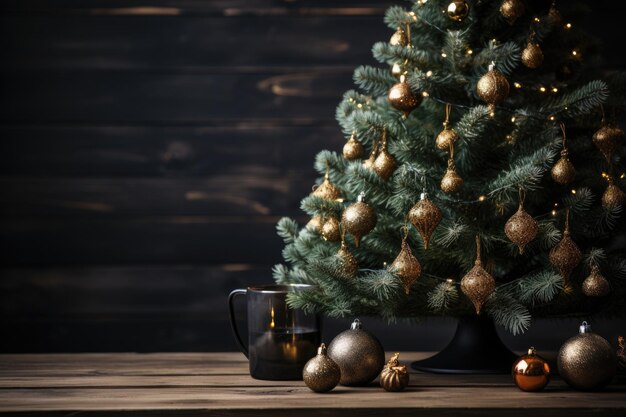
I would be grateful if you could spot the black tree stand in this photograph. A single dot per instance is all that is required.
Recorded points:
(475, 349)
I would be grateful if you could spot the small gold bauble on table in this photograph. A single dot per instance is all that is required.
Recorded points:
(358, 353)
(358, 219)
(399, 38)
(384, 164)
(493, 87)
(608, 139)
(394, 377)
(425, 216)
(511, 10)
(521, 228)
(587, 361)
(531, 372)
(596, 285)
(353, 149)
(406, 266)
(447, 136)
(458, 10)
(613, 196)
(532, 55)
(565, 256)
(327, 189)
(331, 230)
(402, 98)
(478, 284)
(321, 373)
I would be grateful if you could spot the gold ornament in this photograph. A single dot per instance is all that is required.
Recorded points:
(369, 162)
(447, 136)
(402, 98)
(406, 266)
(331, 230)
(358, 219)
(532, 55)
(563, 171)
(315, 224)
(595, 285)
(397, 70)
(587, 361)
(348, 263)
(353, 149)
(458, 10)
(451, 181)
(521, 228)
(608, 139)
(531, 372)
(327, 189)
(321, 373)
(394, 377)
(399, 38)
(358, 353)
(385, 164)
(512, 9)
(621, 353)
(493, 87)
(425, 216)
(565, 256)
(613, 196)
(478, 284)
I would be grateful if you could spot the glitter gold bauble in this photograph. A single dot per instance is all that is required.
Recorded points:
(493, 88)
(384, 164)
(607, 139)
(358, 219)
(478, 284)
(531, 372)
(613, 196)
(321, 373)
(587, 361)
(327, 189)
(399, 38)
(458, 10)
(563, 172)
(394, 376)
(532, 56)
(402, 98)
(446, 137)
(353, 149)
(347, 262)
(358, 353)
(425, 216)
(369, 162)
(331, 230)
(406, 266)
(512, 9)
(595, 285)
(451, 181)
(565, 256)
(521, 228)
(315, 224)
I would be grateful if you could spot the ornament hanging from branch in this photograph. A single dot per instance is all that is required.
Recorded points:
(348, 264)
(613, 195)
(425, 216)
(399, 38)
(406, 266)
(451, 181)
(327, 189)
(448, 135)
(369, 162)
(511, 10)
(353, 149)
(563, 171)
(458, 10)
(478, 284)
(358, 219)
(493, 88)
(402, 98)
(384, 164)
(554, 16)
(331, 229)
(608, 139)
(565, 256)
(532, 55)
(521, 228)
(596, 285)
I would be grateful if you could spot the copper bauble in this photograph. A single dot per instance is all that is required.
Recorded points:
(358, 219)
(451, 181)
(402, 98)
(531, 372)
(358, 353)
(613, 196)
(587, 361)
(595, 285)
(394, 376)
(446, 137)
(399, 38)
(384, 164)
(512, 9)
(331, 230)
(458, 10)
(369, 162)
(563, 172)
(532, 56)
(607, 139)
(353, 149)
(425, 216)
(315, 224)
(478, 284)
(406, 266)
(493, 88)
(348, 264)
(327, 189)
(321, 373)
(521, 228)
(565, 256)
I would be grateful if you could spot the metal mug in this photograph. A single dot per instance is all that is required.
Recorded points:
(280, 339)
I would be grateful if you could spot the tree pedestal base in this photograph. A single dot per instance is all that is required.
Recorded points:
(475, 349)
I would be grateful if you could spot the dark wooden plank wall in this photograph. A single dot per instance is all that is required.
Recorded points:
(149, 149)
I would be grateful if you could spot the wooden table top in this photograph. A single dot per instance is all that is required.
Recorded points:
(218, 384)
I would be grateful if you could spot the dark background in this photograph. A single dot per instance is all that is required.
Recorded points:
(149, 148)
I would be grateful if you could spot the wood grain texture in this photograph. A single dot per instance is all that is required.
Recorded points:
(218, 385)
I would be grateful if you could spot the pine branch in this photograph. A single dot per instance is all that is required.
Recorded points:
(374, 81)
(443, 297)
(539, 288)
(508, 313)
(287, 229)
(582, 100)
(506, 57)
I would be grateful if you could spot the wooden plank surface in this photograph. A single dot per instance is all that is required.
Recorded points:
(217, 384)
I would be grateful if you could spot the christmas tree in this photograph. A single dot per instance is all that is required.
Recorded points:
(511, 209)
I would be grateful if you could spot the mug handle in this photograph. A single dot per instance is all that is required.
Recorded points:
(233, 321)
